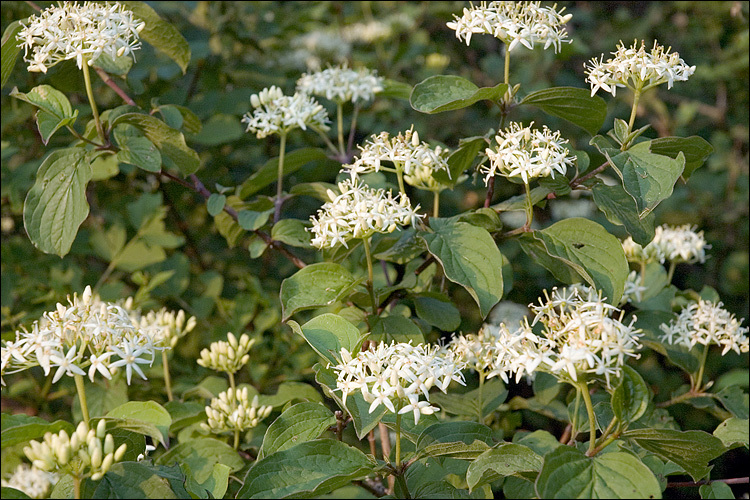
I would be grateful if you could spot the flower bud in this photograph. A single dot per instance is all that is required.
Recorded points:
(120, 452)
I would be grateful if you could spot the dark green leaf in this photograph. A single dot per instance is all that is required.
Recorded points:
(9, 52)
(250, 220)
(299, 423)
(132, 480)
(54, 107)
(219, 129)
(716, 489)
(396, 328)
(460, 160)
(696, 150)
(631, 397)
(620, 208)
(447, 92)
(268, 173)
(437, 310)
(207, 459)
(21, 428)
(505, 460)
(572, 104)
(395, 89)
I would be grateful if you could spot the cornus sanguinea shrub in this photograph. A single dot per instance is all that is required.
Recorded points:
(316, 263)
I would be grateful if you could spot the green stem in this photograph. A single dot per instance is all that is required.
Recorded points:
(231, 381)
(167, 377)
(92, 102)
(76, 487)
(340, 126)
(528, 206)
(400, 176)
(480, 406)
(402, 482)
(699, 378)
(236, 439)
(82, 397)
(398, 440)
(584, 388)
(436, 203)
(636, 98)
(328, 142)
(279, 181)
(370, 274)
(670, 273)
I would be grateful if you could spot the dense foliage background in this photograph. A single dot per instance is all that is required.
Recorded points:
(238, 48)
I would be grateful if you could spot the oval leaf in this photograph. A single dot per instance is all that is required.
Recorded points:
(10, 50)
(447, 92)
(56, 204)
(268, 173)
(470, 258)
(630, 399)
(568, 473)
(140, 152)
(299, 423)
(572, 104)
(22, 428)
(306, 470)
(150, 412)
(505, 460)
(327, 334)
(315, 285)
(215, 203)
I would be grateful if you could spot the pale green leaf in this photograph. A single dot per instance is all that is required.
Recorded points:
(293, 232)
(732, 430)
(327, 334)
(505, 460)
(150, 412)
(299, 423)
(315, 285)
(140, 152)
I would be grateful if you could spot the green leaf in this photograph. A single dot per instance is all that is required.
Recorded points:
(454, 439)
(395, 89)
(307, 470)
(299, 423)
(437, 310)
(568, 473)
(588, 249)
(572, 104)
(460, 160)
(631, 397)
(132, 480)
(691, 450)
(470, 258)
(730, 431)
(405, 249)
(716, 489)
(161, 34)
(735, 400)
(140, 152)
(327, 334)
(56, 205)
(54, 111)
(493, 394)
(202, 455)
(356, 406)
(9, 52)
(293, 232)
(315, 285)
(291, 391)
(649, 178)
(170, 142)
(250, 220)
(7, 491)
(219, 129)
(269, 171)
(621, 209)
(447, 92)
(318, 190)
(505, 460)
(215, 203)
(696, 150)
(396, 328)
(119, 65)
(21, 428)
(149, 412)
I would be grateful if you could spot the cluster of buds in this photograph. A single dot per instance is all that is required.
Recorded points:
(232, 411)
(83, 454)
(276, 113)
(527, 153)
(228, 357)
(515, 23)
(707, 323)
(169, 327)
(358, 213)
(405, 150)
(478, 351)
(637, 69)
(341, 84)
(78, 31)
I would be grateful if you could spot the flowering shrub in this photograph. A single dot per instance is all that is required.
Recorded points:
(532, 333)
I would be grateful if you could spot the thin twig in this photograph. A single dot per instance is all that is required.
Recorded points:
(580, 180)
(691, 484)
(490, 192)
(106, 79)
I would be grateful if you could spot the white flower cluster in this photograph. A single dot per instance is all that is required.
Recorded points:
(81, 32)
(395, 375)
(34, 482)
(515, 23)
(408, 154)
(359, 212)
(228, 356)
(707, 323)
(636, 68)
(81, 453)
(169, 327)
(579, 336)
(341, 84)
(633, 288)
(276, 113)
(677, 244)
(86, 334)
(479, 351)
(527, 153)
(232, 411)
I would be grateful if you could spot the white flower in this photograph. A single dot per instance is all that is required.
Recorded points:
(34, 482)
(395, 375)
(130, 357)
(633, 288)
(527, 153)
(677, 244)
(276, 113)
(359, 212)
(409, 155)
(66, 364)
(635, 68)
(80, 32)
(515, 23)
(341, 84)
(707, 323)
